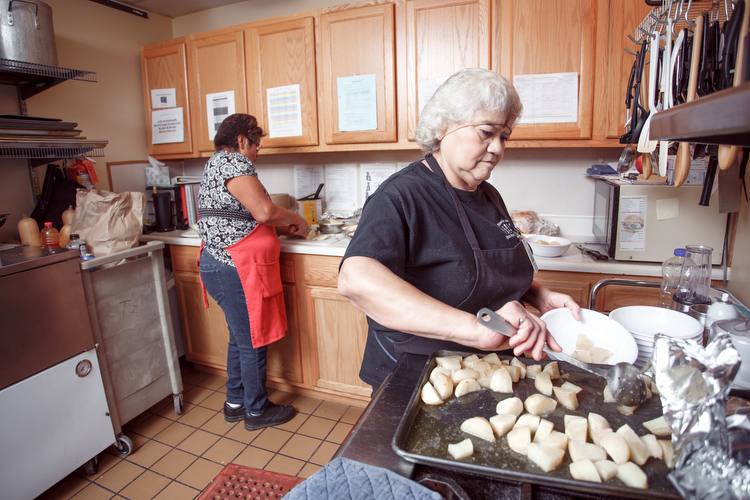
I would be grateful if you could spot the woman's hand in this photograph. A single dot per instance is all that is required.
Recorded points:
(531, 332)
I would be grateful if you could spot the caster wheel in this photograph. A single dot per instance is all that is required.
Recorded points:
(178, 404)
(92, 466)
(123, 446)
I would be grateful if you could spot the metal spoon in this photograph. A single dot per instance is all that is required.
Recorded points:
(624, 380)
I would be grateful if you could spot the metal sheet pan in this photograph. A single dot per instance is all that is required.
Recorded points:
(425, 431)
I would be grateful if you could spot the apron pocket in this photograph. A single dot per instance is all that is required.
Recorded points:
(270, 279)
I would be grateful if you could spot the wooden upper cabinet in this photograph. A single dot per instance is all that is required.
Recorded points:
(164, 67)
(280, 55)
(620, 19)
(543, 37)
(442, 37)
(358, 43)
(217, 65)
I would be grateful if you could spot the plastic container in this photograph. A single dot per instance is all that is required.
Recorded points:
(50, 236)
(77, 244)
(721, 310)
(670, 271)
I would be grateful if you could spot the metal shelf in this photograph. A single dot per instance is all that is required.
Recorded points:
(39, 152)
(32, 78)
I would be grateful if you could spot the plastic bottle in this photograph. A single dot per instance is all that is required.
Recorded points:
(670, 271)
(50, 236)
(75, 243)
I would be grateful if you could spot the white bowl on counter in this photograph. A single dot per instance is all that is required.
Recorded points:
(548, 246)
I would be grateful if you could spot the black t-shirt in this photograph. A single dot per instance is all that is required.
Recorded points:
(411, 225)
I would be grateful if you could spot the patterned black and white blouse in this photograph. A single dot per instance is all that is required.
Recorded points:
(219, 232)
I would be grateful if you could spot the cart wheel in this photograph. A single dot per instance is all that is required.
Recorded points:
(92, 466)
(123, 446)
(178, 404)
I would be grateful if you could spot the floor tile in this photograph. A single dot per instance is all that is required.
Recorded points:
(215, 401)
(120, 475)
(306, 404)
(200, 473)
(137, 441)
(329, 409)
(272, 439)
(174, 463)
(300, 447)
(196, 394)
(285, 465)
(174, 434)
(282, 398)
(254, 457)
(224, 451)
(198, 442)
(148, 454)
(339, 432)
(94, 492)
(138, 420)
(316, 427)
(308, 470)
(168, 410)
(324, 453)
(107, 460)
(145, 487)
(213, 382)
(152, 426)
(194, 377)
(352, 415)
(197, 416)
(177, 491)
(295, 423)
(239, 433)
(218, 425)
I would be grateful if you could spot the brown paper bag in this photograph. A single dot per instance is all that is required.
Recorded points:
(108, 222)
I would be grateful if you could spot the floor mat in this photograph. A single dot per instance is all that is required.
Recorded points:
(239, 482)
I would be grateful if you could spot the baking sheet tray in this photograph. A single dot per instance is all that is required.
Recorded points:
(425, 431)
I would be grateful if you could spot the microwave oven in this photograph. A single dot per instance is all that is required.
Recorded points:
(645, 222)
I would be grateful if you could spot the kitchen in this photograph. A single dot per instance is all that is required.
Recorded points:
(95, 38)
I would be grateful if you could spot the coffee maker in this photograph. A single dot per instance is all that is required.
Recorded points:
(168, 209)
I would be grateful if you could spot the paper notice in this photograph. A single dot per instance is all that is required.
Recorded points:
(372, 176)
(341, 188)
(219, 106)
(163, 98)
(357, 103)
(633, 216)
(550, 98)
(284, 111)
(307, 178)
(167, 126)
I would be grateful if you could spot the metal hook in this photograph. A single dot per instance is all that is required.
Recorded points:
(630, 51)
(687, 14)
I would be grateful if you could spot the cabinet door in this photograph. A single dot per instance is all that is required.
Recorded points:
(442, 37)
(338, 332)
(621, 18)
(205, 333)
(217, 70)
(281, 55)
(543, 37)
(164, 66)
(283, 359)
(358, 43)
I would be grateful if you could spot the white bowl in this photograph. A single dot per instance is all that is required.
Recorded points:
(647, 321)
(601, 331)
(548, 246)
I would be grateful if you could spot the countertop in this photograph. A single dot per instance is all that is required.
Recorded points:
(335, 245)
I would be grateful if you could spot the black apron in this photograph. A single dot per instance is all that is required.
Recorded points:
(503, 275)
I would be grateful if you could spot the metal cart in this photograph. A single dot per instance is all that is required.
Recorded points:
(126, 296)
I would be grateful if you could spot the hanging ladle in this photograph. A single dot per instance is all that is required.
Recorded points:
(627, 385)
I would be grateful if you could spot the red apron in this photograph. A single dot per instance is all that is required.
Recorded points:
(256, 257)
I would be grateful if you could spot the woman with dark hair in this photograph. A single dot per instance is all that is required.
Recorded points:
(239, 266)
(435, 242)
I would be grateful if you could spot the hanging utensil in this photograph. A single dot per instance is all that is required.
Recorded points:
(645, 144)
(682, 160)
(637, 117)
(625, 381)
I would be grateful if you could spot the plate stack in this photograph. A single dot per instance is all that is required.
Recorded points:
(644, 322)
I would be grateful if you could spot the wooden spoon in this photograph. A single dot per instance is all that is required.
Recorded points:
(682, 161)
(646, 166)
(727, 154)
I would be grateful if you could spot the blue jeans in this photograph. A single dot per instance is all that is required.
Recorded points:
(246, 365)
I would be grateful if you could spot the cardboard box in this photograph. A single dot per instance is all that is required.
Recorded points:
(697, 174)
(310, 210)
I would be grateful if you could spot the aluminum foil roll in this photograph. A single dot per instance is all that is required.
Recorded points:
(694, 384)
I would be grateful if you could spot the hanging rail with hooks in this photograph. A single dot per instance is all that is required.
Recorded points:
(683, 14)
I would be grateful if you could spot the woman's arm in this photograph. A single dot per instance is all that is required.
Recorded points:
(249, 191)
(394, 303)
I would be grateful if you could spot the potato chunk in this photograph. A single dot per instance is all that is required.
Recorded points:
(539, 404)
(546, 457)
(576, 427)
(515, 372)
(512, 405)
(668, 451)
(585, 470)
(500, 381)
(439, 369)
(582, 342)
(443, 385)
(519, 439)
(599, 354)
(616, 447)
(463, 374)
(452, 363)
(581, 451)
(528, 420)
(553, 369)
(632, 475)
(653, 447)
(493, 359)
(607, 469)
(468, 361)
(556, 439)
(638, 451)
(430, 395)
(543, 383)
(461, 450)
(520, 365)
(502, 423)
(466, 386)
(479, 427)
(566, 398)
(598, 426)
(658, 427)
(582, 355)
(532, 370)
(571, 387)
(543, 430)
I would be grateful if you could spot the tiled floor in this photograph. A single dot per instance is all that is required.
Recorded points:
(177, 456)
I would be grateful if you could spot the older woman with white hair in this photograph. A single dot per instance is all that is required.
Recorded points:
(436, 243)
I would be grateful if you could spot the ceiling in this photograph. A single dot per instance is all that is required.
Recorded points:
(176, 8)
